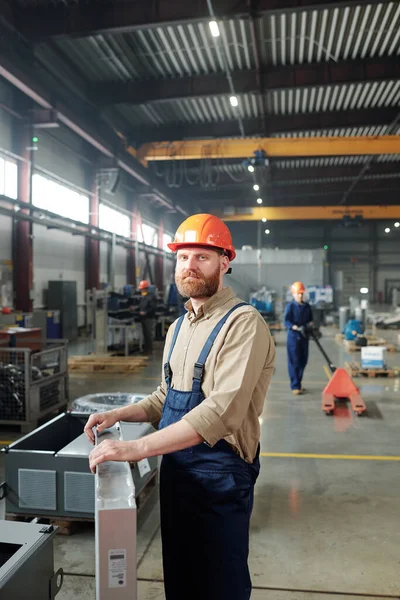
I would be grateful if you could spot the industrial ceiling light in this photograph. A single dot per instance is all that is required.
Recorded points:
(259, 200)
(264, 220)
(397, 224)
(364, 290)
(267, 231)
(387, 230)
(256, 187)
(214, 28)
(250, 168)
(234, 101)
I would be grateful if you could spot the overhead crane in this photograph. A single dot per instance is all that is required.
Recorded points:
(273, 147)
(309, 213)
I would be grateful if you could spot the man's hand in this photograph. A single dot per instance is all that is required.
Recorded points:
(102, 420)
(112, 450)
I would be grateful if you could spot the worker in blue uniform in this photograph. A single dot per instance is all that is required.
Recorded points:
(218, 362)
(298, 316)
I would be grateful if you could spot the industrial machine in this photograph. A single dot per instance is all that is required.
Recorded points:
(47, 471)
(353, 328)
(264, 301)
(27, 563)
(340, 386)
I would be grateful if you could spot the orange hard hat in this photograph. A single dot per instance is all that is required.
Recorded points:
(144, 284)
(298, 288)
(204, 230)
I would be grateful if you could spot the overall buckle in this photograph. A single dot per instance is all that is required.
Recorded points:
(198, 371)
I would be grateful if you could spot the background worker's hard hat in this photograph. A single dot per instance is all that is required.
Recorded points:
(144, 285)
(204, 230)
(298, 288)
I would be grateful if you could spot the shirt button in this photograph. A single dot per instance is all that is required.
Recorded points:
(180, 372)
(185, 348)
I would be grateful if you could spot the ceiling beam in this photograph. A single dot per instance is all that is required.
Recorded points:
(315, 213)
(93, 131)
(247, 82)
(273, 147)
(84, 19)
(321, 194)
(370, 117)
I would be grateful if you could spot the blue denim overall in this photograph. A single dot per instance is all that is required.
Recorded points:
(206, 497)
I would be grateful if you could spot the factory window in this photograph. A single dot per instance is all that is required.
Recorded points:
(114, 221)
(149, 235)
(8, 178)
(167, 239)
(59, 199)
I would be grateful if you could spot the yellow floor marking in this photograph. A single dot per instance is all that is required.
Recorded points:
(6, 442)
(327, 372)
(329, 456)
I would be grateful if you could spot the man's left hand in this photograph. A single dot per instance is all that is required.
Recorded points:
(112, 450)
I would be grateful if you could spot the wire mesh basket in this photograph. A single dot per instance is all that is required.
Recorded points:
(33, 382)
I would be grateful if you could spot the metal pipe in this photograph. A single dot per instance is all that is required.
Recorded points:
(71, 226)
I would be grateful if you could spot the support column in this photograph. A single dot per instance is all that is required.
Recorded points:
(159, 263)
(22, 230)
(373, 295)
(131, 258)
(93, 246)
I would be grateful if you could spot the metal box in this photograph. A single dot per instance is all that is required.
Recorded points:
(47, 471)
(27, 563)
(62, 296)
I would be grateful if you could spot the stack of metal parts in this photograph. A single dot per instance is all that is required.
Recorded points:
(32, 383)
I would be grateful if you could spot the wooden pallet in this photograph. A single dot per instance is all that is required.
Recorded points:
(106, 364)
(354, 369)
(72, 525)
(352, 346)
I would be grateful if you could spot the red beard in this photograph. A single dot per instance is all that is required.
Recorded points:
(192, 284)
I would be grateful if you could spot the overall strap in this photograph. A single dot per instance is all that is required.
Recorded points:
(167, 368)
(199, 365)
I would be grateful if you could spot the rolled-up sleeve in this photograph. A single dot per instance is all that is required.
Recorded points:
(248, 349)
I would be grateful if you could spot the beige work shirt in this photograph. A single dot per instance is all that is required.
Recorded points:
(236, 375)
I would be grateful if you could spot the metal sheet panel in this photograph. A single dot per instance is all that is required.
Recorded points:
(37, 489)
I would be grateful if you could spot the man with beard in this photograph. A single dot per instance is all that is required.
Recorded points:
(218, 362)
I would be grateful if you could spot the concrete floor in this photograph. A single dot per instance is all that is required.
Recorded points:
(321, 525)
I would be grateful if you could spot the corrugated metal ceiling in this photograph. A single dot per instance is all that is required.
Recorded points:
(288, 38)
(286, 102)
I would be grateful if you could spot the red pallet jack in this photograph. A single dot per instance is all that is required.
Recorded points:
(340, 386)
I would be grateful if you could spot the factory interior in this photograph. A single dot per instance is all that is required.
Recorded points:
(120, 120)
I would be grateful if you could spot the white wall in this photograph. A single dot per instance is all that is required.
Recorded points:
(58, 255)
(5, 238)
(279, 268)
(120, 267)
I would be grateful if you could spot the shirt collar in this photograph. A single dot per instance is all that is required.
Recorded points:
(219, 299)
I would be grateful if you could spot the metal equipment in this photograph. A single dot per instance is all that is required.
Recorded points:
(116, 524)
(47, 471)
(62, 296)
(33, 383)
(340, 386)
(27, 563)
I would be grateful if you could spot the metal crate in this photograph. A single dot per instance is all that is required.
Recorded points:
(33, 383)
